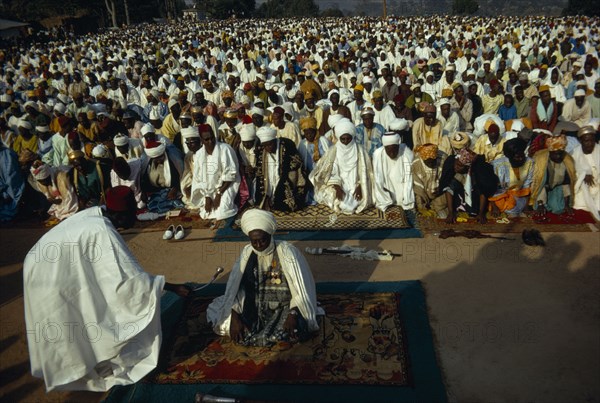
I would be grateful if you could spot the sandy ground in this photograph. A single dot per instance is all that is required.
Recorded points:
(511, 322)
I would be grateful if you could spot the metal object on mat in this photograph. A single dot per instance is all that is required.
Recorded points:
(202, 398)
(212, 280)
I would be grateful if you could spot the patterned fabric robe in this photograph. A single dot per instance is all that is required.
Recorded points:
(289, 193)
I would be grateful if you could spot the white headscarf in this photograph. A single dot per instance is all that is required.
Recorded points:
(347, 154)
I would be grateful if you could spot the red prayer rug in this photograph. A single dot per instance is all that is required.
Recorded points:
(361, 341)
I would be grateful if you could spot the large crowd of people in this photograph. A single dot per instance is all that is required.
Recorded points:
(490, 116)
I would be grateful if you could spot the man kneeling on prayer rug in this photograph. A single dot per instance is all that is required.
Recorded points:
(270, 295)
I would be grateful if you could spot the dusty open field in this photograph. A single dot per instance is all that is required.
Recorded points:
(511, 322)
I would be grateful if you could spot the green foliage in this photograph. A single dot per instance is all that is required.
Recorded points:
(582, 7)
(465, 6)
(288, 8)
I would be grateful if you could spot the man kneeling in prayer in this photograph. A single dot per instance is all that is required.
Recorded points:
(92, 313)
(270, 295)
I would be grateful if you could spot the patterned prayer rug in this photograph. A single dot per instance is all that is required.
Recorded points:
(360, 341)
(320, 217)
(374, 344)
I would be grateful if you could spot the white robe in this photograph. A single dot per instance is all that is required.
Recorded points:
(328, 172)
(210, 171)
(92, 314)
(133, 182)
(587, 197)
(393, 184)
(384, 117)
(299, 277)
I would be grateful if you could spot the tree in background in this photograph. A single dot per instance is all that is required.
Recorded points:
(582, 7)
(332, 12)
(288, 8)
(465, 6)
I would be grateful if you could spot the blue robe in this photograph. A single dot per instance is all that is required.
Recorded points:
(11, 184)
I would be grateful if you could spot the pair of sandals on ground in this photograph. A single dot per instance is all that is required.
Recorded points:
(174, 232)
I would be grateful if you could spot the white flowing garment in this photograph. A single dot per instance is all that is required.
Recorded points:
(587, 197)
(92, 314)
(299, 277)
(210, 171)
(393, 184)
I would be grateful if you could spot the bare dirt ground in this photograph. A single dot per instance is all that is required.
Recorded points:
(511, 322)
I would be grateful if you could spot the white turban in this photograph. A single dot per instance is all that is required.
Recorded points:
(390, 139)
(25, 124)
(257, 111)
(333, 119)
(31, 104)
(41, 172)
(248, 132)
(60, 108)
(266, 134)
(190, 132)
(100, 151)
(121, 140)
(156, 151)
(517, 126)
(258, 219)
(344, 126)
(154, 115)
(63, 98)
(147, 128)
(398, 124)
(289, 110)
(367, 80)
(42, 129)
(172, 102)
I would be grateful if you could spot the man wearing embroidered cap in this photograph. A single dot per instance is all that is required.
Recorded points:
(96, 283)
(426, 172)
(228, 129)
(343, 178)
(313, 146)
(554, 177)
(270, 296)
(281, 181)
(393, 182)
(490, 144)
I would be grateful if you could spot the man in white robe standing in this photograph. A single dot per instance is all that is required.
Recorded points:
(216, 178)
(283, 308)
(91, 312)
(393, 183)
